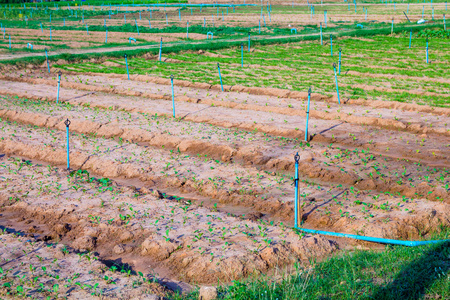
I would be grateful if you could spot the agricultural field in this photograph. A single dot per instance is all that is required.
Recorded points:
(132, 168)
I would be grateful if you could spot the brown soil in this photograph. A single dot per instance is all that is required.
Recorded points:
(50, 264)
(206, 196)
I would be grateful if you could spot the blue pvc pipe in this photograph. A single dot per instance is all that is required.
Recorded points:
(427, 50)
(337, 87)
(242, 55)
(410, 37)
(59, 83)
(106, 36)
(10, 43)
(67, 134)
(372, 239)
(187, 30)
(340, 61)
(321, 37)
(137, 26)
(220, 76)
(160, 50)
(331, 44)
(297, 157)
(173, 97)
(48, 64)
(126, 63)
(307, 115)
(249, 42)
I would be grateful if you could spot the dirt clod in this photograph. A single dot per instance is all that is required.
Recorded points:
(208, 293)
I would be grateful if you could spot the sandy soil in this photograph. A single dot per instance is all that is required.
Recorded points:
(55, 270)
(79, 39)
(208, 195)
(317, 163)
(145, 228)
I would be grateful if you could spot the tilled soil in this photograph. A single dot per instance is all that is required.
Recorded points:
(145, 228)
(79, 39)
(208, 195)
(56, 270)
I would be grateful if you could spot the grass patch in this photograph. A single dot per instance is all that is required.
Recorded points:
(395, 273)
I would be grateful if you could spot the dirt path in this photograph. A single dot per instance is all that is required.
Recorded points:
(116, 49)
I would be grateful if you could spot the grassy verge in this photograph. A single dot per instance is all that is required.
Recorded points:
(395, 273)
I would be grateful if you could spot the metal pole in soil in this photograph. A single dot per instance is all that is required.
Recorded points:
(242, 55)
(59, 84)
(307, 115)
(160, 50)
(48, 64)
(126, 63)
(173, 96)
(67, 123)
(337, 87)
(297, 158)
(340, 62)
(220, 76)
